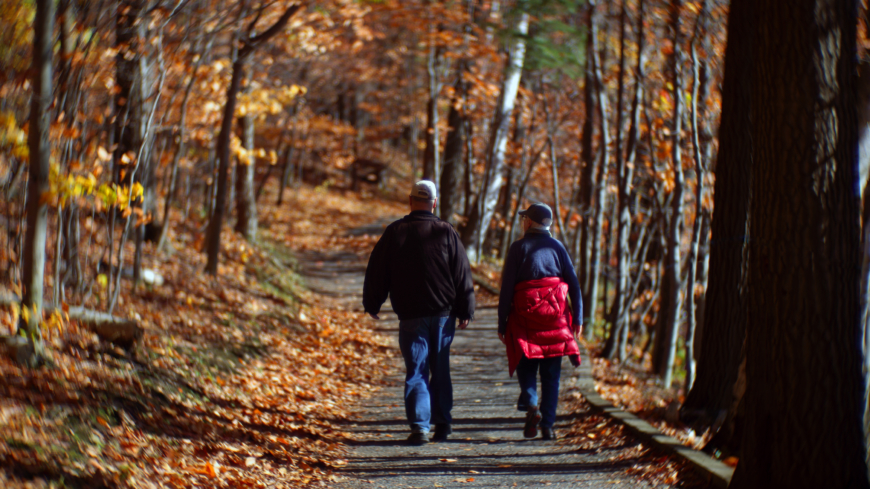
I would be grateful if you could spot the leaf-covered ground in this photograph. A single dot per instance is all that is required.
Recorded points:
(237, 382)
(241, 380)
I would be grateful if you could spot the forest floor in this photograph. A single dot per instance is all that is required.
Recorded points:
(248, 379)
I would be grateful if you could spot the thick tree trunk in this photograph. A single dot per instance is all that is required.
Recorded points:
(668, 324)
(37, 183)
(804, 391)
(725, 309)
(474, 232)
(451, 174)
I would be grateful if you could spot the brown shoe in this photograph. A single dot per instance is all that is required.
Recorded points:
(533, 417)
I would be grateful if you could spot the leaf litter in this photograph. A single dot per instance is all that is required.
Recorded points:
(239, 381)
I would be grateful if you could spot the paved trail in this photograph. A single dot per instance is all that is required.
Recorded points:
(487, 448)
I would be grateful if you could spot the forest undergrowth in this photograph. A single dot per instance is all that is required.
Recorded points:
(241, 380)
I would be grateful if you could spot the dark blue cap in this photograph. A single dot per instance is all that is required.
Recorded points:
(539, 213)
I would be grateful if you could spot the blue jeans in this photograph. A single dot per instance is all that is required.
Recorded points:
(527, 373)
(425, 344)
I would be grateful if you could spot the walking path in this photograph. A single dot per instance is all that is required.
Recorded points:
(487, 448)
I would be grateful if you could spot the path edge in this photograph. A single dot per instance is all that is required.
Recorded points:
(718, 473)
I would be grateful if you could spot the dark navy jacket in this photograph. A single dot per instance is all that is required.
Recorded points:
(421, 264)
(537, 255)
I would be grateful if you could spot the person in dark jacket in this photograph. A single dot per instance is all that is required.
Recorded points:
(535, 321)
(420, 263)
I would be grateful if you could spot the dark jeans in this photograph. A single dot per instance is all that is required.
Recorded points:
(527, 373)
(425, 344)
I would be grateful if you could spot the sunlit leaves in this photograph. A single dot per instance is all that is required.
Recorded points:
(12, 137)
(16, 18)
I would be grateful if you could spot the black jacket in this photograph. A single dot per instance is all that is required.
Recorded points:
(421, 264)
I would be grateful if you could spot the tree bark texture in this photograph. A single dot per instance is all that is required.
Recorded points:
(40, 153)
(725, 308)
(246, 202)
(668, 321)
(618, 337)
(213, 236)
(596, 227)
(587, 172)
(451, 174)
(474, 232)
(699, 97)
(804, 397)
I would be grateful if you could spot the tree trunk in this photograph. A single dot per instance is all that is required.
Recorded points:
(618, 338)
(597, 224)
(522, 137)
(246, 202)
(668, 324)
(554, 168)
(451, 174)
(37, 183)
(725, 309)
(483, 209)
(431, 156)
(804, 388)
(582, 254)
(699, 98)
(213, 234)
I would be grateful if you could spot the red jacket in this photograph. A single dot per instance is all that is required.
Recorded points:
(539, 325)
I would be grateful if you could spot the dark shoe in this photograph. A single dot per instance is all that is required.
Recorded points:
(533, 417)
(547, 433)
(417, 439)
(441, 432)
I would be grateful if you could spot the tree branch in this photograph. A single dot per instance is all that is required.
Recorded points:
(252, 43)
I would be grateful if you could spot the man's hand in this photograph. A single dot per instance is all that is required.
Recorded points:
(374, 316)
(464, 323)
(501, 337)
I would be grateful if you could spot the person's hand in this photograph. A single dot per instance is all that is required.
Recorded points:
(502, 338)
(374, 316)
(464, 323)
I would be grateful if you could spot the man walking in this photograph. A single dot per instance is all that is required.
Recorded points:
(421, 264)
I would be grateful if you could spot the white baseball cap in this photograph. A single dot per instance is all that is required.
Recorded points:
(424, 189)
